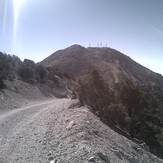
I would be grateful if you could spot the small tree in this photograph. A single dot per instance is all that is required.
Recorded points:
(2, 85)
(40, 73)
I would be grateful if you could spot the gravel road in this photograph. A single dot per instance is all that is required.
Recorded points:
(23, 132)
(60, 131)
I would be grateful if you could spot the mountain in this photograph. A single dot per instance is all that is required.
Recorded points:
(112, 64)
(124, 94)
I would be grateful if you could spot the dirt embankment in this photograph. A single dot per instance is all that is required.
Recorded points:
(17, 94)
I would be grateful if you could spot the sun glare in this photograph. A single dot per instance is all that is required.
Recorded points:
(17, 5)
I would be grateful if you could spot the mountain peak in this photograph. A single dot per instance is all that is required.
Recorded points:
(75, 47)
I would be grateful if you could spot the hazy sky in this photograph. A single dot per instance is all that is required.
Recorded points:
(34, 29)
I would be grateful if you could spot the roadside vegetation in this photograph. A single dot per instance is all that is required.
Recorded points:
(11, 67)
(8, 65)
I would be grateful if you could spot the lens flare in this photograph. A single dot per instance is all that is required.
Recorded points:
(16, 9)
(4, 15)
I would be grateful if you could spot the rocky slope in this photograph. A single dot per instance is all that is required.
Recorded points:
(19, 93)
(61, 131)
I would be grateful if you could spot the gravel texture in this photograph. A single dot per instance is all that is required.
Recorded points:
(60, 131)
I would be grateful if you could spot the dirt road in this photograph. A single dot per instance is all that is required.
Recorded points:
(23, 132)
